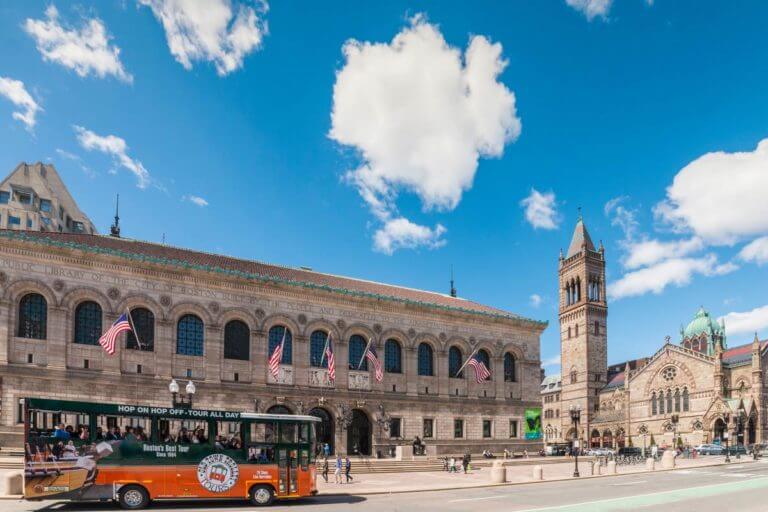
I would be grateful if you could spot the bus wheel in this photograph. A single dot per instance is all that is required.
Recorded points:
(133, 497)
(262, 495)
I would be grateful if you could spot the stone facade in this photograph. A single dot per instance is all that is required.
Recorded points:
(690, 393)
(119, 275)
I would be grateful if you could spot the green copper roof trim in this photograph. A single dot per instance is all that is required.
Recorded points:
(252, 276)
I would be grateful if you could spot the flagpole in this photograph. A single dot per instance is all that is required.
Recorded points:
(325, 349)
(465, 362)
(133, 328)
(364, 353)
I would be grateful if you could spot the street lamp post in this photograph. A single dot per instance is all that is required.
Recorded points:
(182, 402)
(726, 435)
(739, 432)
(675, 421)
(575, 418)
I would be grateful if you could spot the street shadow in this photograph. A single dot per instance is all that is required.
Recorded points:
(82, 506)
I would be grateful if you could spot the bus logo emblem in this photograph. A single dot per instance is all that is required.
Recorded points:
(217, 472)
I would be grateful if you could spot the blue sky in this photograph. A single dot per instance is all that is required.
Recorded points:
(305, 133)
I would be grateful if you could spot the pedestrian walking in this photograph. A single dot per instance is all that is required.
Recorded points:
(325, 469)
(452, 465)
(337, 471)
(465, 463)
(348, 469)
(327, 450)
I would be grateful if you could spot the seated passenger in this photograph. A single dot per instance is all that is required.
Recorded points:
(60, 432)
(99, 434)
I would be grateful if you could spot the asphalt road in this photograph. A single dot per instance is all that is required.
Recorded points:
(742, 487)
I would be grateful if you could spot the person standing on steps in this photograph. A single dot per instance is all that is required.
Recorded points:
(325, 469)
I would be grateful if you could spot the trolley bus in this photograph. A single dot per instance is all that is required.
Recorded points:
(133, 454)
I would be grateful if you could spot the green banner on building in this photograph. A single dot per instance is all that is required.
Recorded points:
(533, 423)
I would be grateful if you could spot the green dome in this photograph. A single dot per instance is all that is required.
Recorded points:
(703, 323)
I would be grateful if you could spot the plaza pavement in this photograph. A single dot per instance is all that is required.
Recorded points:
(516, 474)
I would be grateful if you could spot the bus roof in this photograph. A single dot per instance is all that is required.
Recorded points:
(53, 405)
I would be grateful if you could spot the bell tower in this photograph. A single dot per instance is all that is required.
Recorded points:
(583, 328)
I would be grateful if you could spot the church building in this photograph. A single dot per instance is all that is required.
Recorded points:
(687, 392)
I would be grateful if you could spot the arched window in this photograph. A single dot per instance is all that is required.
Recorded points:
(190, 336)
(237, 340)
(33, 317)
(275, 337)
(669, 401)
(661, 402)
(654, 409)
(574, 376)
(685, 400)
(425, 360)
(356, 350)
(143, 321)
(454, 363)
(87, 323)
(317, 342)
(393, 357)
(509, 367)
(483, 356)
(677, 400)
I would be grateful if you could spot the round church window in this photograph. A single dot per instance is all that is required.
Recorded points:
(669, 373)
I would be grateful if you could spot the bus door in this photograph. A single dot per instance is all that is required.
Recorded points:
(287, 469)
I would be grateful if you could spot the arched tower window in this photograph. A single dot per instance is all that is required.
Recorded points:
(316, 349)
(237, 340)
(661, 402)
(685, 400)
(190, 336)
(88, 323)
(654, 409)
(425, 360)
(454, 363)
(677, 400)
(669, 401)
(393, 357)
(143, 320)
(275, 337)
(356, 350)
(33, 317)
(509, 367)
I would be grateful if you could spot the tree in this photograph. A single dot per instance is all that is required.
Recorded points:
(653, 441)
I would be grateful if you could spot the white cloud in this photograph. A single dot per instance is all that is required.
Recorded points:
(672, 271)
(17, 94)
(720, 196)
(756, 251)
(199, 201)
(541, 210)
(651, 251)
(215, 31)
(591, 8)
(401, 233)
(117, 148)
(746, 322)
(536, 300)
(551, 361)
(420, 115)
(621, 216)
(86, 50)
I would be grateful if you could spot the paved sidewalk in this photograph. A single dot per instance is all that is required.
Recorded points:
(518, 474)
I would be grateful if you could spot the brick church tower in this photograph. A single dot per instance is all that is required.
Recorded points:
(583, 321)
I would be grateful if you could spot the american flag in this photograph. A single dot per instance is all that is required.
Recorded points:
(375, 361)
(482, 372)
(331, 359)
(277, 357)
(109, 338)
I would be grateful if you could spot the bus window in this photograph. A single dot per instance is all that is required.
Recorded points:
(288, 433)
(261, 454)
(185, 431)
(304, 432)
(228, 435)
(118, 428)
(263, 432)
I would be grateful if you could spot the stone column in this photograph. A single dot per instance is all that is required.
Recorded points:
(443, 384)
(213, 351)
(498, 377)
(165, 347)
(342, 365)
(58, 336)
(411, 378)
(258, 357)
(300, 360)
(6, 326)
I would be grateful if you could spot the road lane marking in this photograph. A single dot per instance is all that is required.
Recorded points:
(657, 498)
(630, 483)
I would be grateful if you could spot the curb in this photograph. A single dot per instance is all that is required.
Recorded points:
(506, 484)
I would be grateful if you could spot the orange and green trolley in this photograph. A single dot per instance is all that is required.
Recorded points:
(135, 454)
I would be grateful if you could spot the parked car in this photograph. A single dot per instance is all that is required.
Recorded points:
(600, 452)
(734, 450)
(710, 449)
(630, 451)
